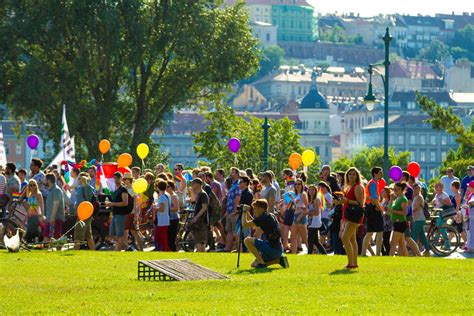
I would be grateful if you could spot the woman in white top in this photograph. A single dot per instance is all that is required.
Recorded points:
(442, 200)
(419, 218)
(314, 210)
(299, 228)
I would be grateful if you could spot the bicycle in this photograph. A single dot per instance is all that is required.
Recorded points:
(437, 236)
(185, 238)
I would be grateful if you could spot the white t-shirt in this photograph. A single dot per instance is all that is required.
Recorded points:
(446, 181)
(163, 218)
(439, 198)
(314, 221)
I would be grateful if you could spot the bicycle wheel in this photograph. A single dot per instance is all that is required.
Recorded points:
(187, 242)
(440, 243)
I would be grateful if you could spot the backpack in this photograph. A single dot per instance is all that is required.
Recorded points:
(215, 207)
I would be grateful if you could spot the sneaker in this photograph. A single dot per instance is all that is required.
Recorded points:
(284, 262)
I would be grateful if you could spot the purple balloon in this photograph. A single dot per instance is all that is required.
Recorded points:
(234, 145)
(395, 173)
(32, 141)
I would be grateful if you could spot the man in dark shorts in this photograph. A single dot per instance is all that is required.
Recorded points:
(269, 250)
(374, 212)
(200, 220)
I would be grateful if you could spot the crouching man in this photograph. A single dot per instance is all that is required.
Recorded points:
(269, 250)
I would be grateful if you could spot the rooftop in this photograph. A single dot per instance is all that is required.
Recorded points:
(412, 69)
(287, 74)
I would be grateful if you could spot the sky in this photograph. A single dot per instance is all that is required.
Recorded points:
(374, 7)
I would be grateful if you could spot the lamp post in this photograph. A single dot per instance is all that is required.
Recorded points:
(265, 127)
(370, 99)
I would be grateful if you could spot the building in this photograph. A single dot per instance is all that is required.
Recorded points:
(420, 31)
(406, 102)
(16, 148)
(293, 18)
(248, 97)
(313, 113)
(354, 118)
(411, 133)
(292, 83)
(266, 33)
(460, 77)
(334, 54)
(411, 75)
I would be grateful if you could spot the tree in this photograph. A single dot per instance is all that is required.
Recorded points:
(463, 43)
(271, 58)
(445, 119)
(367, 158)
(118, 65)
(223, 124)
(435, 52)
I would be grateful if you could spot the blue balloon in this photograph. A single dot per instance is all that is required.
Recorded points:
(188, 177)
(92, 162)
(287, 197)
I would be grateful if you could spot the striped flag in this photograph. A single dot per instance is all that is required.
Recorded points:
(67, 143)
(3, 154)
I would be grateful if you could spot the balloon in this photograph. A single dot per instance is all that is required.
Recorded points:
(142, 151)
(104, 146)
(92, 162)
(188, 177)
(414, 169)
(308, 157)
(381, 185)
(234, 145)
(140, 186)
(32, 141)
(124, 170)
(124, 160)
(395, 173)
(85, 210)
(287, 197)
(295, 161)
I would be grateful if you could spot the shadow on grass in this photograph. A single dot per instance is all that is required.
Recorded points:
(251, 271)
(343, 271)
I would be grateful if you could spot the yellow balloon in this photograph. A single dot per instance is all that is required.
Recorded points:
(142, 151)
(308, 157)
(139, 186)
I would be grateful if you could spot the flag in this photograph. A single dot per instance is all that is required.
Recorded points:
(322, 198)
(3, 154)
(105, 173)
(67, 143)
(60, 156)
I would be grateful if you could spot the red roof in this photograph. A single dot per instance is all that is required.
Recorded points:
(412, 69)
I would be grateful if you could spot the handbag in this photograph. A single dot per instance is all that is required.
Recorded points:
(354, 213)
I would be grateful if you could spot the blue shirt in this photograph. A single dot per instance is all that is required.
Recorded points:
(465, 183)
(234, 192)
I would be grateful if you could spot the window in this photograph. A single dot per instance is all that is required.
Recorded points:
(18, 149)
(412, 156)
(412, 140)
(327, 151)
(278, 88)
(411, 105)
(267, 37)
(317, 149)
(432, 156)
(423, 139)
(444, 140)
(177, 150)
(401, 139)
(326, 125)
(391, 139)
(433, 139)
(443, 155)
(189, 150)
(422, 156)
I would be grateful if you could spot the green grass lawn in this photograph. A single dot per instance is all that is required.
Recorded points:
(106, 283)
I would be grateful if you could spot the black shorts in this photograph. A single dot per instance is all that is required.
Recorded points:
(374, 219)
(289, 217)
(399, 227)
(354, 214)
(459, 227)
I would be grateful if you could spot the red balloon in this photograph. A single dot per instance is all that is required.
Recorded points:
(414, 169)
(381, 184)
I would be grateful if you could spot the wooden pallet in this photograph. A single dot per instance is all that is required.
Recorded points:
(175, 270)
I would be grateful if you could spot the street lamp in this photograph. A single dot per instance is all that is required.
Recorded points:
(370, 99)
(265, 127)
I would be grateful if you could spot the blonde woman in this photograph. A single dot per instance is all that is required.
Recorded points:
(35, 207)
(299, 228)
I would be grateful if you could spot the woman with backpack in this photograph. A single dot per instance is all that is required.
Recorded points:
(84, 192)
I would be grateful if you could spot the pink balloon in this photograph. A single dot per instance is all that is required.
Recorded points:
(32, 141)
(234, 145)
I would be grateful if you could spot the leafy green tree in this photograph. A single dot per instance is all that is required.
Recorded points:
(223, 124)
(118, 65)
(436, 51)
(463, 43)
(367, 158)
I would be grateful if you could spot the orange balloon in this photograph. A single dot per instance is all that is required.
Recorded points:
(124, 160)
(85, 210)
(295, 161)
(104, 146)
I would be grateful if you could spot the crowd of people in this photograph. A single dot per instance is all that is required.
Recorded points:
(340, 213)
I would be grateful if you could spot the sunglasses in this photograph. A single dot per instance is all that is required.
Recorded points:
(32, 185)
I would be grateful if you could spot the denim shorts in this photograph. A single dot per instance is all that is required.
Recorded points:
(268, 252)
(117, 226)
